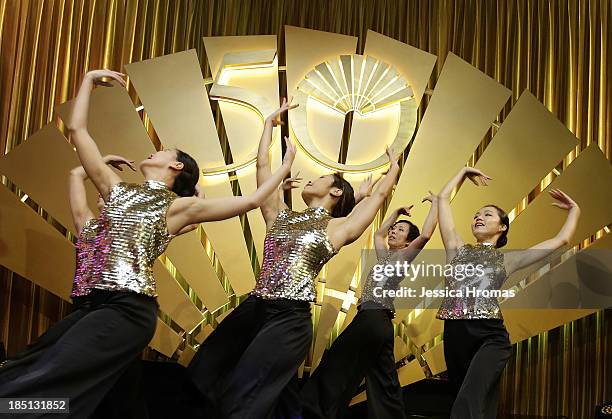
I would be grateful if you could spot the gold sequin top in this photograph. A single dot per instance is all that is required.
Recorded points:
(295, 249)
(373, 289)
(472, 304)
(132, 235)
(85, 259)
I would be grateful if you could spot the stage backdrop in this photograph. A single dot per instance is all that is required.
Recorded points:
(557, 50)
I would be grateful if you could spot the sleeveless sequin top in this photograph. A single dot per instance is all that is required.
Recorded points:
(132, 234)
(472, 305)
(373, 289)
(295, 249)
(85, 259)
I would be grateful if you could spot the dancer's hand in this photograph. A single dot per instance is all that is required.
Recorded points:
(563, 200)
(476, 176)
(405, 210)
(291, 182)
(393, 157)
(365, 188)
(290, 151)
(431, 197)
(97, 76)
(274, 116)
(118, 161)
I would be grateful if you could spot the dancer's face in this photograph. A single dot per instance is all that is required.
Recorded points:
(487, 224)
(320, 188)
(163, 159)
(398, 235)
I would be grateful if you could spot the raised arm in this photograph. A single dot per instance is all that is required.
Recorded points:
(408, 253)
(346, 230)
(193, 210)
(450, 238)
(519, 259)
(429, 226)
(89, 155)
(381, 234)
(274, 203)
(81, 213)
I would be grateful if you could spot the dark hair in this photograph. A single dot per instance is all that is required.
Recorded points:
(503, 219)
(186, 181)
(413, 230)
(346, 202)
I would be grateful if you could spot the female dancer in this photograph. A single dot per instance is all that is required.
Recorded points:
(253, 356)
(365, 348)
(136, 226)
(86, 229)
(476, 343)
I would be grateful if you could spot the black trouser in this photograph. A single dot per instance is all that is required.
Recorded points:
(83, 355)
(247, 367)
(363, 350)
(476, 353)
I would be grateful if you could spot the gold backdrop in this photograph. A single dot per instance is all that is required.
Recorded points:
(556, 49)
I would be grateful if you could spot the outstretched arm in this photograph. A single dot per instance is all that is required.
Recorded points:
(89, 155)
(274, 203)
(81, 213)
(516, 260)
(383, 230)
(450, 238)
(429, 226)
(346, 230)
(193, 210)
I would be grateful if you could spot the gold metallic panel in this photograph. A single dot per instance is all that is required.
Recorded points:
(529, 144)
(186, 356)
(350, 315)
(34, 249)
(180, 111)
(204, 333)
(541, 221)
(218, 46)
(45, 179)
(524, 323)
(115, 126)
(569, 284)
(165, 340)
(173, 300)
(192, 262)
(400, 349)
(435, 359)
(361, 397)
(242, 125)
(329, 313)
(410, 373)
(424, 327)
(413, 63)
(584, 280)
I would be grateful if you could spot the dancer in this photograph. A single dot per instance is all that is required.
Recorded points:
(476, 343)
(86, 229)
(252, 358)
(365, 348)
(135, 227)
